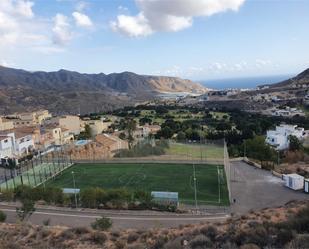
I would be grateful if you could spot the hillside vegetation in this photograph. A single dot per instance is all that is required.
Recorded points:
(283, 227)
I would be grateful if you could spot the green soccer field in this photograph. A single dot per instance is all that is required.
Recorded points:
(210, 179)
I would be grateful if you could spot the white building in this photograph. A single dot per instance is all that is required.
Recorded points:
(15, 144)
(279, 138)
(6, 146)
(287, 112)
(23, 144)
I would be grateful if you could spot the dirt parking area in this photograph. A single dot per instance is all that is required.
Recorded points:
(255, 189)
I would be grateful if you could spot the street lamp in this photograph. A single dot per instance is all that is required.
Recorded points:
(74, 189)
(195, 191)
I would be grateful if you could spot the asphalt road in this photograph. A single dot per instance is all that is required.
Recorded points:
(121, 219)
(256, 189)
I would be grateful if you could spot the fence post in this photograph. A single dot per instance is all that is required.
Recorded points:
(6, 181)
(13, 178)
(21, 180)
(33, 173)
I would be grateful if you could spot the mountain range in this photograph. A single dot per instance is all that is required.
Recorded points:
(72, 92)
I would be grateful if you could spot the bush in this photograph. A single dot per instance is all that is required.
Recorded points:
(46, 222)
(209, 231)
(2, 216)
(7, 195)
(132, 237)
(102, 224)
(201, 241)
(98, 237)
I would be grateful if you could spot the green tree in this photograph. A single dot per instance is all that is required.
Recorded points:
(102, 224)
(122, 135)
(130, 126)
(181, 136)
(26, 210)
(257, 148)
(86, 134)
(295, 144)
(2, 216)
(165, 132)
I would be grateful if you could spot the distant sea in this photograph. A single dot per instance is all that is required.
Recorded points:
(248, 82)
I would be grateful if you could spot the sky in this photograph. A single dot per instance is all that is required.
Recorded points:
(194, 39)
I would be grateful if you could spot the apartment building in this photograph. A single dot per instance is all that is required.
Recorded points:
(71, 123)
(29, 118)
(6, 124)
(96, 126)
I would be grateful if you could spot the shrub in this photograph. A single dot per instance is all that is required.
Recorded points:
(7, 195)
(132, 237)
(102, 224)
(200, 241)
(301, 241)
(46, 222)
(79, 230)
(2, 216)
(209, 231)
(174, 244)
(98, 237)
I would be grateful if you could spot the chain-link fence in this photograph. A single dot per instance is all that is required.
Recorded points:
(160, 151)
(36, 171)
(227, 168)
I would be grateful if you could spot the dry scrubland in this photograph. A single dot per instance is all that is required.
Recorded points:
(283, 227)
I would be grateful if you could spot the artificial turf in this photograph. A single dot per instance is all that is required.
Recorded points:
(211, 186)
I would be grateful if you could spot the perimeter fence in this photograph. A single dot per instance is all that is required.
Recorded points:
(36, 171)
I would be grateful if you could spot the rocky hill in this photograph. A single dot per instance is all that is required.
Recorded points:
(300, 80)
(73, 92)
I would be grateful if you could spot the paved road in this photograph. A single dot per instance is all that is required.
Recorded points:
(255, 189)
(121, 219)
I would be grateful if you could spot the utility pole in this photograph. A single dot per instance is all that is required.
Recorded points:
(278, 159)
(195, 193)
(245, 152)
(74, 189)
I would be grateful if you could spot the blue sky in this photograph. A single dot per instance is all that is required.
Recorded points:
(195, 39)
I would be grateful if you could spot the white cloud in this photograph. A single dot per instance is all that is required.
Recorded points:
(132, 25)
(62, 33)
(18, 25)
(24, 8)
(80, 6)
(169, 15)
(82, 20)
(122, 8)
(262, 63)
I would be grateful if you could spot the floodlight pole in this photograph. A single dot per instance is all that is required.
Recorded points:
(74, 189)
(195, 193)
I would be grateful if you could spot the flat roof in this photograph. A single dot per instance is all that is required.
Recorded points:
(294, 175)
(160, 194)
